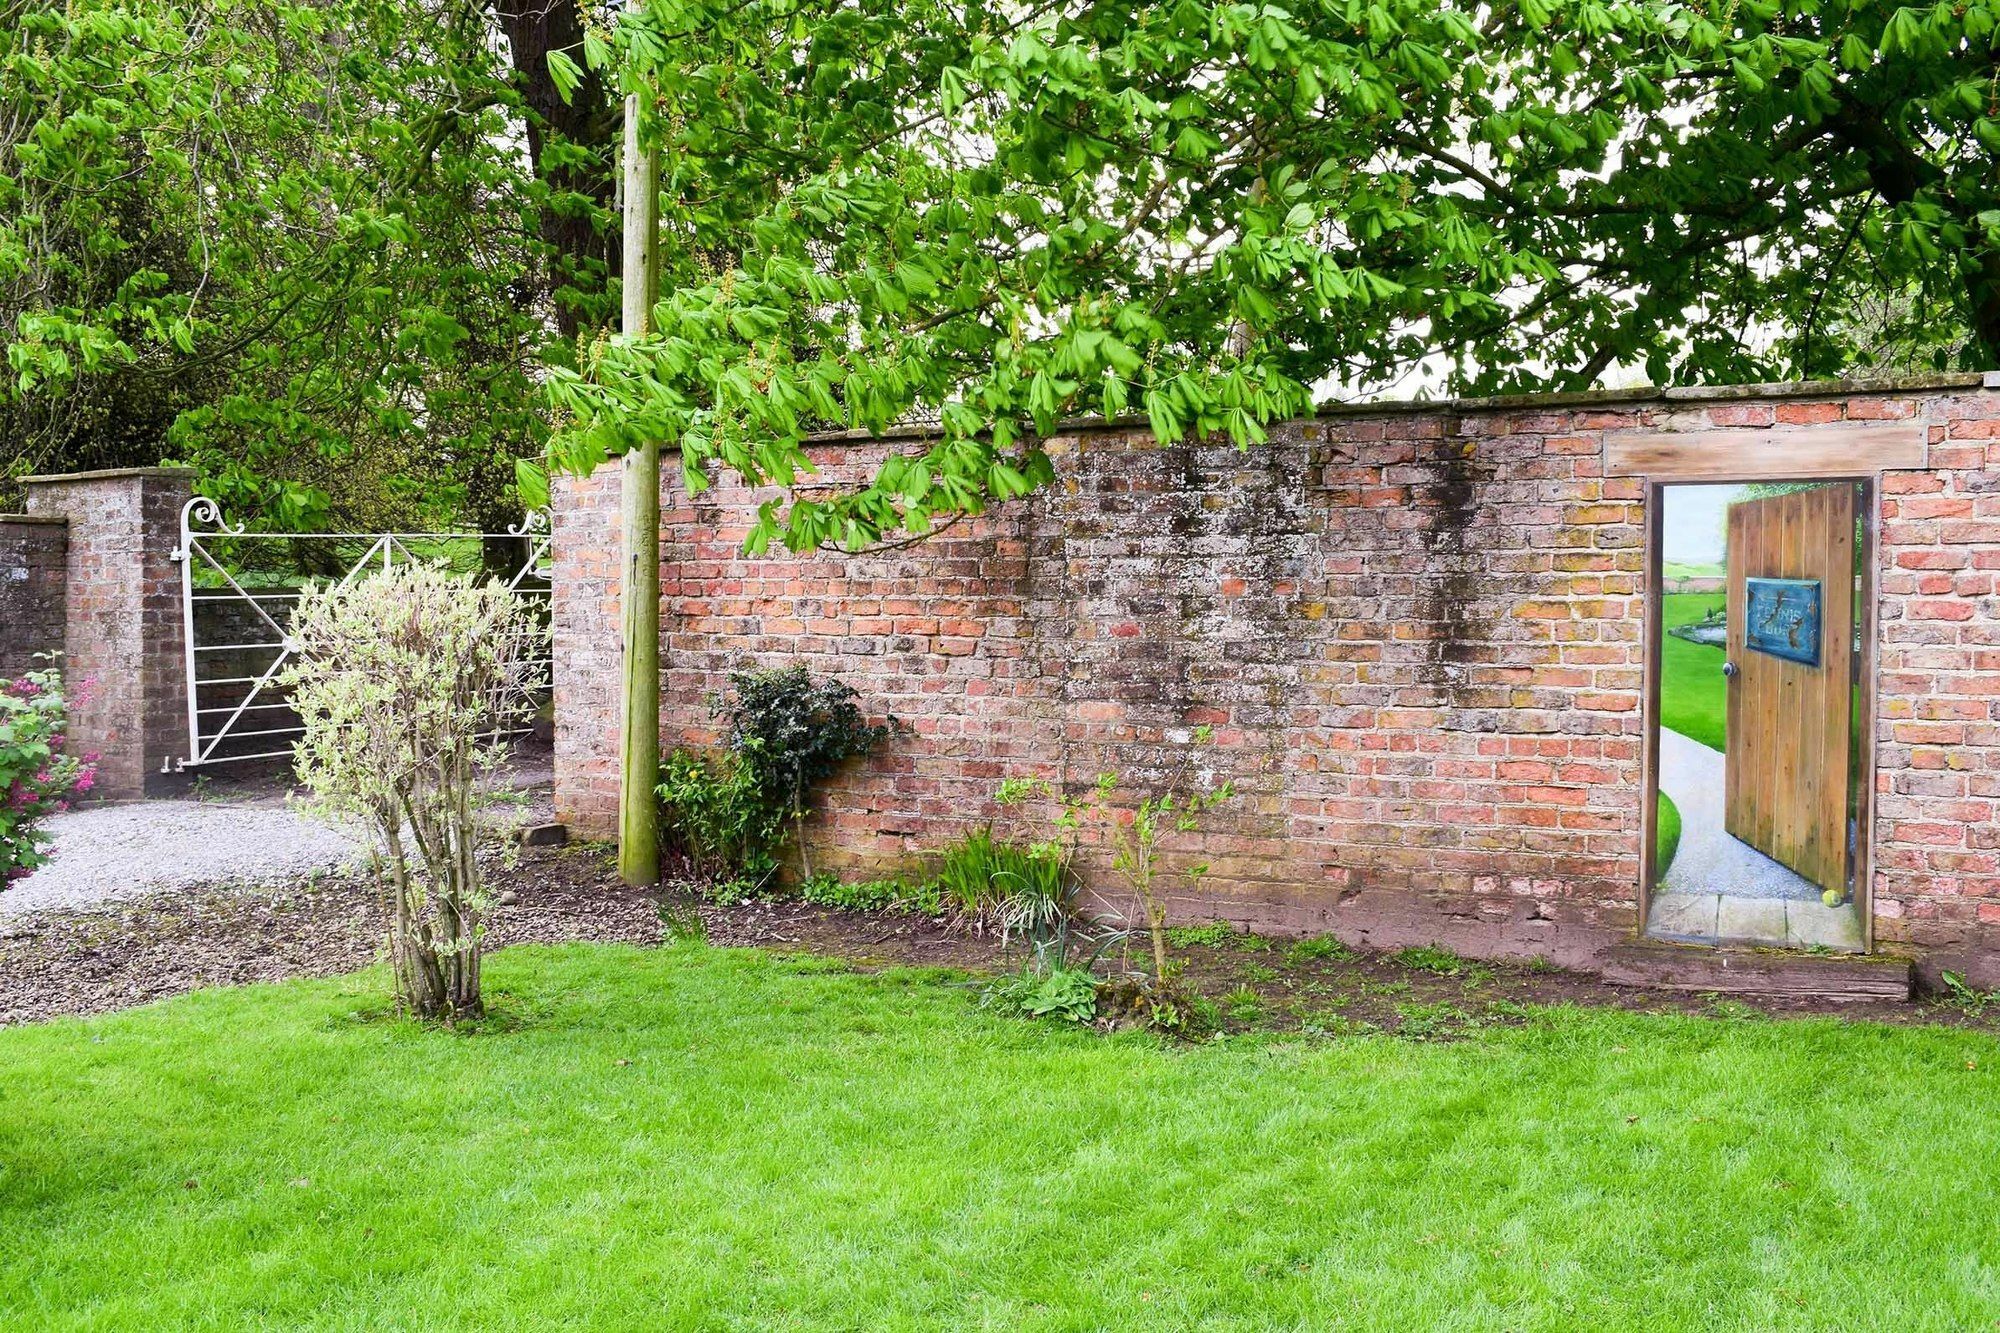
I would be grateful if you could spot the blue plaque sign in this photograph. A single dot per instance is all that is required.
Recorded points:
(1781, 617)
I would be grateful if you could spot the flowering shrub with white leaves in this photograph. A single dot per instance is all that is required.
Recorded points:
(38, 775)
(408, 682)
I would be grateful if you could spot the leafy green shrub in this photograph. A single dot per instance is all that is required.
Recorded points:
(37, 774)
(790, 732)
(405, 682)
(726, 829)
(732, 811)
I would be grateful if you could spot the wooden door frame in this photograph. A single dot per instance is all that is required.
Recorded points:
(1653, 635)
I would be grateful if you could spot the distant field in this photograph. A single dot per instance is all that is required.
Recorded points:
(1678, 569)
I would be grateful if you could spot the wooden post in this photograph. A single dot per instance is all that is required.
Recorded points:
(639, 753)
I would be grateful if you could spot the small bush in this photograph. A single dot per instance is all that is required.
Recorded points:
(38, 776)
(728, 831)
(406, 682)
(733, 811)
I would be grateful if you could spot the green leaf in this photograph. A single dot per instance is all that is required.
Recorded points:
(563, 72)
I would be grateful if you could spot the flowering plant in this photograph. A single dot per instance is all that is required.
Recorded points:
(37, 774)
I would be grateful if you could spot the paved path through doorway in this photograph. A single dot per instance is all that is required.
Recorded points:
(1710, 860)
(1720, 888)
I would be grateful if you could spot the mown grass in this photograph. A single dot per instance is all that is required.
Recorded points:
(1694, 694)
(697, 1138)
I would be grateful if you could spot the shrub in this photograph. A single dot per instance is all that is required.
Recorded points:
(790, 732)
(406, 682)
(787, 732)
(727, 830)
(37, 774)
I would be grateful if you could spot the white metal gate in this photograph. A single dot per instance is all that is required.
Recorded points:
(234, 628)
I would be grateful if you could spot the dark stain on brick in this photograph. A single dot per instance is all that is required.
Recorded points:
(1450, 581)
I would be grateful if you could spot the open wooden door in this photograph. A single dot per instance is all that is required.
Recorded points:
(1791, 648)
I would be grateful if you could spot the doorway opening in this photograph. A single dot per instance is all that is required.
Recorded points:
(1760, 763)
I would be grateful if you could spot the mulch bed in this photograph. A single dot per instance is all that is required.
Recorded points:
(54, 964)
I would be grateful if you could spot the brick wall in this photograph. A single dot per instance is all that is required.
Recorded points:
(1416, 632)
(32, 558)
(123, 632)
(1937, 884)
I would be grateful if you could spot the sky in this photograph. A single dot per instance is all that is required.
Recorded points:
(1691, 529)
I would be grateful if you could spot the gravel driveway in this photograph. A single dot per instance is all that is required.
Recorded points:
(107, 854)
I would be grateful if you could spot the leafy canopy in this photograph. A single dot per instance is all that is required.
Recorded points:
(290, 241)
(1208, 214)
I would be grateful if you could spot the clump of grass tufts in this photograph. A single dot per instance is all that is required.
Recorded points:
(1432, 958)
(1316, 949)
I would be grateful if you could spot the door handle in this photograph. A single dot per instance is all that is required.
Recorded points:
(1730, 670)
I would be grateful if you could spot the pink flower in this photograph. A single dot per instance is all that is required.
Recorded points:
(86, 780)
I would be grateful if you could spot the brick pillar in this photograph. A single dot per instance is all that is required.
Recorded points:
(122, 631)
(32, 573)
(587, 647)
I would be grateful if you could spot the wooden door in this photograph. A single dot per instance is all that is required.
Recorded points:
(1791, 650)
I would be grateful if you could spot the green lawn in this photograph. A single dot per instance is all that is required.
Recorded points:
(1694, 696)
(698, 1138)
(1666, 836)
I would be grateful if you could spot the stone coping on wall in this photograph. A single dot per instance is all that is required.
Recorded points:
(54, 520)
(110, 474)
(1638, 396)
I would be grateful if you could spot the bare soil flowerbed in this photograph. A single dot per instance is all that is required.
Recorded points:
(56, 963)
(62, 963)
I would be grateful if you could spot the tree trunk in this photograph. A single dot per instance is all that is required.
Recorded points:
(585, 257)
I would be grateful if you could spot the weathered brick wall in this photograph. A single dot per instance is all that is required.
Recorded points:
(1415, 637)
(1937, 883)
(32, 558)
(1417, 633)
(123, 635)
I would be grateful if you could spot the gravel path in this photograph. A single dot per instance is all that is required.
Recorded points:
(111, 853)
